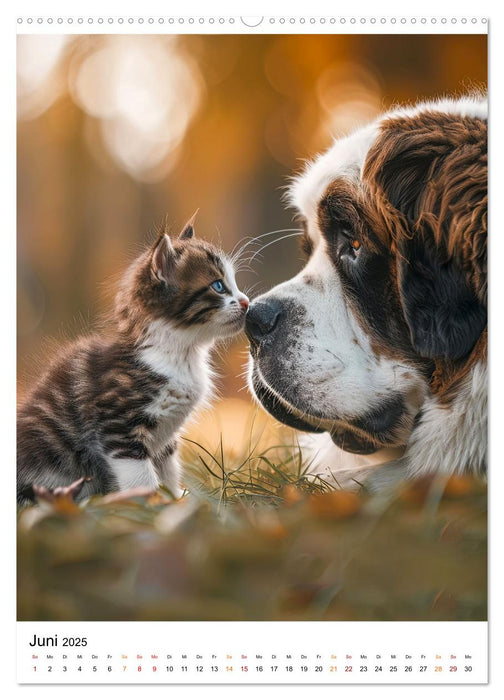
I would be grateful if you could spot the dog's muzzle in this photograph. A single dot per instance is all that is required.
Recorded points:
(264, 320)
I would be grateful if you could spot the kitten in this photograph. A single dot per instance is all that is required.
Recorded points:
(111, 409)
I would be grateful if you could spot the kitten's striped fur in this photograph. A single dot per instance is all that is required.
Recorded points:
(111, 408)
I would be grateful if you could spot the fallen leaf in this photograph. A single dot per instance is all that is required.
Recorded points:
(138, 492)
(291, 495)
(458, 486)
(62, 498)
(444, 602)
(336, 505)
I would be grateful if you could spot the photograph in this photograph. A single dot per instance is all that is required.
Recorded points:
(251, 327)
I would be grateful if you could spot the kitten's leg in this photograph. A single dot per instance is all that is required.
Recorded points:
(45, 463)
(131, 473)
(168, 468)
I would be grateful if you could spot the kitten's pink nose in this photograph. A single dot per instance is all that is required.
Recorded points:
(244, 302)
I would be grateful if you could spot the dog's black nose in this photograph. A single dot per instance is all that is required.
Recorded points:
(262, 318)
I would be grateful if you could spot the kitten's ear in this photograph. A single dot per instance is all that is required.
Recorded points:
(188, 229)
(164, 260)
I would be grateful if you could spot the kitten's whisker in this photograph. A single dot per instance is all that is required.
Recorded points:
(256, 239)
(244, 267)
(277, 240)
(251, 290)
(250, 240)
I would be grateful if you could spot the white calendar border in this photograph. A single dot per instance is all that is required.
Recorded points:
(260, 17)
(249, 24)
(7, 281)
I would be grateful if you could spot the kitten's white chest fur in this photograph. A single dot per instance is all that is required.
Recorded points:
(188, 382)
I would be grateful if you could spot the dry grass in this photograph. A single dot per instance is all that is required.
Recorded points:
(256, 538)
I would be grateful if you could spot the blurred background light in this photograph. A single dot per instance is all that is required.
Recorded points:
(146, 91)
(350, 95)
(38, 82)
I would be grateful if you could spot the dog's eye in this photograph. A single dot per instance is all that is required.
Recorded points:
(350, 247)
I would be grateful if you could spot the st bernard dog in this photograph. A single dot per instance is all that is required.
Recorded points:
(380, 342)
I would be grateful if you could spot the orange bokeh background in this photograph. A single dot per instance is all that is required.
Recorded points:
(115, 132)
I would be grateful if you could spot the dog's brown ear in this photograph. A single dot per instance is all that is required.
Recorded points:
(429, 175)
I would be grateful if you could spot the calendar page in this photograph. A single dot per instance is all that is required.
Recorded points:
(251, 348)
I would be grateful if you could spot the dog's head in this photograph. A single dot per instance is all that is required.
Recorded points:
(392, 299)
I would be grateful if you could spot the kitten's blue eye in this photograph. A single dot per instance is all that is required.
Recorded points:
(219, 287)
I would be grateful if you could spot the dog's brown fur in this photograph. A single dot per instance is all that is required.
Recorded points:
(427, 178)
